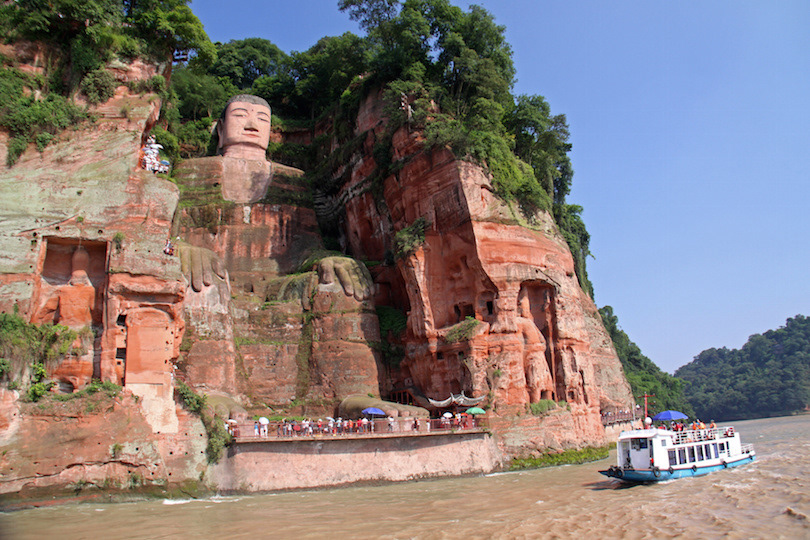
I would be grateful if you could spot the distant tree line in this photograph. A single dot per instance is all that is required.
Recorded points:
(642, 374)
(768, 376)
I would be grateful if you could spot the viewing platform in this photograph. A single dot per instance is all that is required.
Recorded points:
(617, 417)
(246, 432)
(278, 459)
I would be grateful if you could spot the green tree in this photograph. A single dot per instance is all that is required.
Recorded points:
(64, 20)
(169, 26)
(307, 83)
(200, 95)
(243, 61)
(541, 140)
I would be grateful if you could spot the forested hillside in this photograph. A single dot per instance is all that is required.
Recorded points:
(642, 374)
(768, 376)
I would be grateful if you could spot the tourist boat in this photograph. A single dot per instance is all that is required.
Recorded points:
(653, 455)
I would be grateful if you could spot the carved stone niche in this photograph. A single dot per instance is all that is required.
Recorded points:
(536, 321)
(70, 290)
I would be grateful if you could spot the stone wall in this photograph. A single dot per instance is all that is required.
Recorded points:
(278, 465)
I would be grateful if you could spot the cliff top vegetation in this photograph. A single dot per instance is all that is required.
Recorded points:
(81, 37)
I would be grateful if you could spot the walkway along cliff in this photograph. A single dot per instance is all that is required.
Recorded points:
(248, 308)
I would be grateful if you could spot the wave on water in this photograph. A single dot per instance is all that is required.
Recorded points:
(794, 514)
(502, 473)
(172, 502)
(216, 499)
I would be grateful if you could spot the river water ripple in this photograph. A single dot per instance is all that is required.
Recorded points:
(769, 498)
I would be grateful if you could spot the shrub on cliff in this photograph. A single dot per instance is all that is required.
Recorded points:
(30, 349)
(541, 407)
(462, 331)
(98, 86)
(411, 237)
(28, 117)
(218, 436)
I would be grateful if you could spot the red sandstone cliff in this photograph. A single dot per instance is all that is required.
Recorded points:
(82, 238)
(539, 336)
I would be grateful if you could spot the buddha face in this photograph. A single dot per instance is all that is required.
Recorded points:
(245, 130)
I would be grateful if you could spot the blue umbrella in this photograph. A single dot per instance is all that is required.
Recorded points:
(669, 415)
(375, 410)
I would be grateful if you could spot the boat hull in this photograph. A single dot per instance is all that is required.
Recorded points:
(643, 476)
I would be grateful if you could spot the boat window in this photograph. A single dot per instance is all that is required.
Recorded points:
(639, 444)
(681, 455)
(715, 450)
(709, 451)
(722, 448)
(691, 452)
(700, 453)
(672, 459)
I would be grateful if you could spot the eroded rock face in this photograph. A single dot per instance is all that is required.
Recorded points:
(82, 234)
(100, 442)
(537, 336)
(314, 340)
(494, 308)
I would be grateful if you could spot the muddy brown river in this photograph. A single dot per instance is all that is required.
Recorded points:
(769, 498)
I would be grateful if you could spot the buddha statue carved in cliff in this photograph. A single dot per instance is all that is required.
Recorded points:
(244, 128)
(539, 382)
(241, 170)
(72, 305)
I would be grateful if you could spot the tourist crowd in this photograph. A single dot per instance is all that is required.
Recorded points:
(263, 428)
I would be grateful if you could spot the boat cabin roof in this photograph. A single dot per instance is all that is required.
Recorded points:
(645, 434)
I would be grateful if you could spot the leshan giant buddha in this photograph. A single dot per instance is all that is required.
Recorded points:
(237, 255)
(241, 170)
(244, 128)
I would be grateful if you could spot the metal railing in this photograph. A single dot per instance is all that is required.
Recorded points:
(609, 418)
(242, 431)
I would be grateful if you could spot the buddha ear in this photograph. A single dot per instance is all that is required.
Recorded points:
(219, 135)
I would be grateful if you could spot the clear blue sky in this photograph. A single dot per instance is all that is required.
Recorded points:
(690, 124)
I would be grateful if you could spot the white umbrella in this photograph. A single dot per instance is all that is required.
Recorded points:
(264, 421)
(448, 415)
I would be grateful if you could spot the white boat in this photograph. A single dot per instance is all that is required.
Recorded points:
(653, 455)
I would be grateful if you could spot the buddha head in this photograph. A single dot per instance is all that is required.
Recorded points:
(79, 265)
(244, 128)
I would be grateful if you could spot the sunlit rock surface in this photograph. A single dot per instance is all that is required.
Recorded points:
(493, 306)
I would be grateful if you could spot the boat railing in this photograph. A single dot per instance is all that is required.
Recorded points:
(699, 435)
(747, 448)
